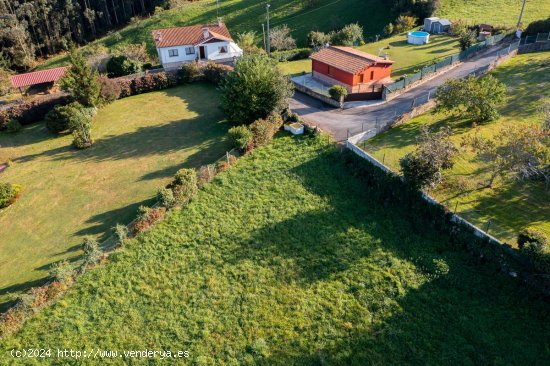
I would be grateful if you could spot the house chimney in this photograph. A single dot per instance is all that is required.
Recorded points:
(205, 33)
(219, 21)
(158, 37)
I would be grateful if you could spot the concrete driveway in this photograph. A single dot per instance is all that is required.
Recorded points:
(340, 123)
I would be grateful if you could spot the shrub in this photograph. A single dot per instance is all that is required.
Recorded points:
(240, 136)
(404, 23)
(62, 272)
(533, 236)
(121, 66)
(92, 251)
(420, 172)
(184, 185)
(276, 119)
(109, 90)
(58, 119)
(338, 92)
(262, 132)
(388, 29)
(534, 244)
(189, 72)
(255, 89)
(166, 197)
(147, 217)
(8, 193)
(13, 126)
(467, 39)
(280, 38)
(538, 26)
(293, 117)
(80, 123)
(121, 233)
(215, 73)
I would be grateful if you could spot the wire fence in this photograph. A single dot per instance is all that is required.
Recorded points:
(429, 70)
(540, 37)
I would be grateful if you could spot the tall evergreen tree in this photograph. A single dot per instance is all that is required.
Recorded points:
(80, 81)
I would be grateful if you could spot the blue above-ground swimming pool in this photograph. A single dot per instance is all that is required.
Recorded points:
(418, 37)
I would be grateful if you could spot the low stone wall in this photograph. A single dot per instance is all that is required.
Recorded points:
(321, 97)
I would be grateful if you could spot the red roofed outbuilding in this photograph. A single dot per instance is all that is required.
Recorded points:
(38, 77)
(358, 71)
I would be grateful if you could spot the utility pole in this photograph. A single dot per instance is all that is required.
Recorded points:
(521, 14)
(268, 40)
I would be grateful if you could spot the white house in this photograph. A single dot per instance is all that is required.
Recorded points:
(211, 42)
(437, 25)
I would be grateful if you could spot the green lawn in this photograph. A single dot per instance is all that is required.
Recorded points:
(408, 58)
(139, 143)
(497, 12)
(510, 205)
(286, 259)
(248, 15)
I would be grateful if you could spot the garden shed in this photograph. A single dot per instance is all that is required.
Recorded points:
(436, 25)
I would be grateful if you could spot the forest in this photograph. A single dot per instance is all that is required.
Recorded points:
(37, 28)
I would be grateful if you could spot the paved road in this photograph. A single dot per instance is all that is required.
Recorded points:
(338, 122)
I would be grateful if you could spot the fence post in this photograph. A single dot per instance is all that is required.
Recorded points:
(227, 156)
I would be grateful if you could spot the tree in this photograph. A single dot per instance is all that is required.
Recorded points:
(317, 39)
(435, 152)
(248, 42)
(80, 81)
(350, 35)
(255, 89)
(388, 29)
(122, 65)
(280, 39)
(404, 23)
(473, 98)
(338, 92)
(520, 151)
(467, 38)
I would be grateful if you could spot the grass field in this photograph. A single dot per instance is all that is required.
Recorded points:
(510, 205)
(139, 143)
(408, 58)
(286, 259)
(497, 12)
(248, 15)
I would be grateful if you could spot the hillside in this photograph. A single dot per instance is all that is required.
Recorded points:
(286, 259)
(248, 15)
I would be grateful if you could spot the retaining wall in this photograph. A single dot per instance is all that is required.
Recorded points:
(321, 97)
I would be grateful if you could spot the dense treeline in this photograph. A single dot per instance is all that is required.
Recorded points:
(30, 28)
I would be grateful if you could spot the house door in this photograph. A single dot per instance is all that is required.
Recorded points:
(437, 28)
(202, 52)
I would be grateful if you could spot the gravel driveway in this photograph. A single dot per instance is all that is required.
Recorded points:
(338, 122)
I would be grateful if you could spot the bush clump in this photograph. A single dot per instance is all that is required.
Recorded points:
(147, 217)
(184, 186)
(92, 251)
(189, 72)
(13, 126)
(80, 124)
(62, 272)
(166, 197)
(291, 55)
(58, 119)
(121, 66)
(9, 193)
(262, 132)
(534, 243)
(338, 92)
(241, 137)
(109, 90)
(215, 73)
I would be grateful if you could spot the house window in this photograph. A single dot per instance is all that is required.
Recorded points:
(173, 53)
(222, 49)
(189, 50)
(372, 75)
(329, 70)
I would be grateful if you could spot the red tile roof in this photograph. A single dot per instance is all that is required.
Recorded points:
(347, 59)
(37, 77)
(191, 35)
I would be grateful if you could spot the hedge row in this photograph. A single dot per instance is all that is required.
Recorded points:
(389, 189)
(30, 111)
(291, 55)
